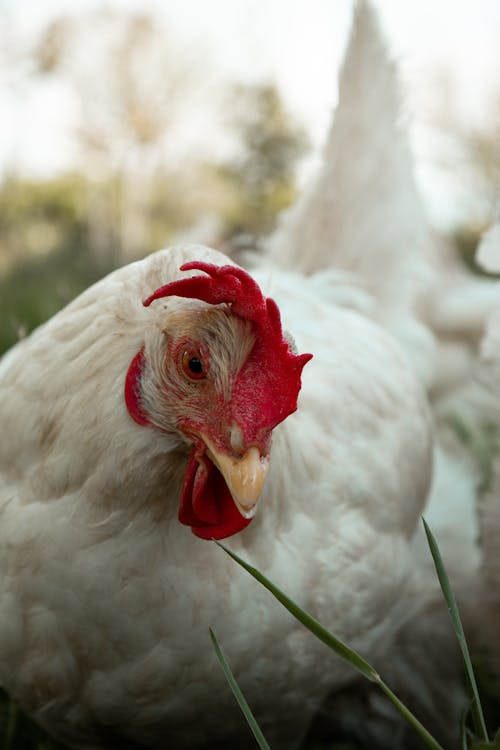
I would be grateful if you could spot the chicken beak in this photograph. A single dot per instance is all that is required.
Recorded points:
(244, 476)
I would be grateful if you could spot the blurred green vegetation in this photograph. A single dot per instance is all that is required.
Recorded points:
(131, 191)
(261, 177)
(39, 217)
(59, 235)
(44, 251)
(33, 291)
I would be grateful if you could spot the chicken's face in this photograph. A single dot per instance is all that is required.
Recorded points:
(224, 379)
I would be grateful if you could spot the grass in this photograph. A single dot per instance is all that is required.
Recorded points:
(470, 739)
(240, 698)
(18, 732)
(476, 708)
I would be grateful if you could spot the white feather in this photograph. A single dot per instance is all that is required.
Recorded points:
(106, 600)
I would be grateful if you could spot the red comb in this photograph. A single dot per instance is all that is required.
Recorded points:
(222, 284)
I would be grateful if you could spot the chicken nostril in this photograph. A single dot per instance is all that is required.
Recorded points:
(236, 440)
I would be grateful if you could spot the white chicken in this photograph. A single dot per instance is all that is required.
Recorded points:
(123, 425)
(106, 598)
(366, 234)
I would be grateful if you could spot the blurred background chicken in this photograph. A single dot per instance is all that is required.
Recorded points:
(126, 427)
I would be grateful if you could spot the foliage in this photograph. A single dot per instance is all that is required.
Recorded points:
(476, 708)
(37, 289)
(470, 740)
(17, 732)
(130, 87)
(44, 251)
(352, 657)
(239, 695)
(38, 217)
(132, 193)
(262, 174)
(138, 95)
(59, 235)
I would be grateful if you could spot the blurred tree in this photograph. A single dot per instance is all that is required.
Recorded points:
(480, 150)
(48, 242)
(44, 251)
(40, 217)
(468, 149)
(132, 92)
(130, 84)
(53, 45)
(135, 189)
(134, 97)
(262, 174)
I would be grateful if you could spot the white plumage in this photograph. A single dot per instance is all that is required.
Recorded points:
(361, 215)
(106, 599)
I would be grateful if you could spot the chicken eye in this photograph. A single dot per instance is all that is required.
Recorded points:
(193, 365)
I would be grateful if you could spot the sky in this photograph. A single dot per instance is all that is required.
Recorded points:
(297, 43)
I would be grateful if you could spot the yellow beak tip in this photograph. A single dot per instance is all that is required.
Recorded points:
(244, 476)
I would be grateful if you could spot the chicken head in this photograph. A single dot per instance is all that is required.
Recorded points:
(224, 377)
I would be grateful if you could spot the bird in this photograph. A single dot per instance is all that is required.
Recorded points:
(360, 225)
(176, 402)
(155, 421)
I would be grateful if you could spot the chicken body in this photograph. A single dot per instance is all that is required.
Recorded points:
(106, 599)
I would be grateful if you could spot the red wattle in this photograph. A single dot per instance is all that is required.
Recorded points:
(132, 389)
(206, 503)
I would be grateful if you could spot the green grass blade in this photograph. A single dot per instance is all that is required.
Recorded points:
(13, 717)
(346, 653)
(463, 732)
(247, 712)
(310, 622)
(405, 712)
(476, 709)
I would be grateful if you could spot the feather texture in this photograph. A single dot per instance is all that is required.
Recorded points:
(106, 599)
